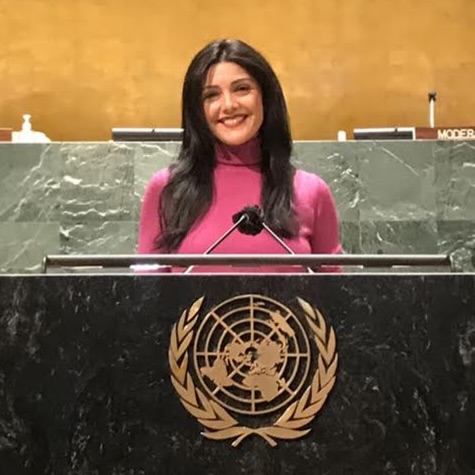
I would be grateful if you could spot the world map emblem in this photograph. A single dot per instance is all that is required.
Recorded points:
(252, 366)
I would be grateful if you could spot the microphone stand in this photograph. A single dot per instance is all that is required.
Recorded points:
(249, 221)
(255, 223)
(282, 243)
(432, 99)
(221, 239)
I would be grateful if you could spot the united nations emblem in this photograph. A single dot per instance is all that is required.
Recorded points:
(252, 366)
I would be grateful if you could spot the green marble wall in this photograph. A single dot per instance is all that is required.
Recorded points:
(393, 197)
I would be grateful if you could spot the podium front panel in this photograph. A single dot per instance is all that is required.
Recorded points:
(290, 374)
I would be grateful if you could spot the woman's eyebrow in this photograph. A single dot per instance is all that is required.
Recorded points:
(245, 78)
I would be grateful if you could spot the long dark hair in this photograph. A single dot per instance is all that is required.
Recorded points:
(189, 192)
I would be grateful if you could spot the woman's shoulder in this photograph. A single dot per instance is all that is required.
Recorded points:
(158, 180)
(155, 185)
(160, 177)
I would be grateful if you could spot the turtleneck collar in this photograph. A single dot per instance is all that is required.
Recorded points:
(248, 153)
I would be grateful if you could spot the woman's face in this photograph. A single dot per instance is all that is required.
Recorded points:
(232, 102)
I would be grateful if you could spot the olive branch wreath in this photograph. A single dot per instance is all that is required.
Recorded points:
(219, 423)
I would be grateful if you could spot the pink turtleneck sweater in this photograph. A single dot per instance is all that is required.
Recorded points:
(237, 183)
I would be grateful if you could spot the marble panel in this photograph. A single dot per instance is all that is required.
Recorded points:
(455, 181)
(397, 182)
(86, 376)
(399, 237)
(350, 235)
(149, 159)
(457, 238)
(96, 237)
(338, 165)
(29, 182)
(97, 182)
(82, 185)
(23, 245)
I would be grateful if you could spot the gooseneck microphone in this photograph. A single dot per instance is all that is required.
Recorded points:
(213, 246)
(255, 223)
(250, 221)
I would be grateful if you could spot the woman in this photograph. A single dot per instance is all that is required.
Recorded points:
(236, 152)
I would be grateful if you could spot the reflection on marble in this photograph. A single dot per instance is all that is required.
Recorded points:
(392, 196)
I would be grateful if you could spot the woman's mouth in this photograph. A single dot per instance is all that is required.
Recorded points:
(233, 121)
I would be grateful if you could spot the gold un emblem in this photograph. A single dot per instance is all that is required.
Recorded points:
(252, 366)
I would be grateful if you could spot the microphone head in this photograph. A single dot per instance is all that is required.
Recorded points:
(253, 224)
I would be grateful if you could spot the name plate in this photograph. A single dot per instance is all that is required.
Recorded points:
(5, 134)
(446, 133)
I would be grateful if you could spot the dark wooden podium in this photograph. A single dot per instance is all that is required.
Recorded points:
(122, 374)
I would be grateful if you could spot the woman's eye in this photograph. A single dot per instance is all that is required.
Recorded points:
(209, 95)
(243, 87)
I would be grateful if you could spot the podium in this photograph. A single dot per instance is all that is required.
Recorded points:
(237, 374)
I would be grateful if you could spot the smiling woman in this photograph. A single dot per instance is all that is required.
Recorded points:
(236, 152)
(232, 103)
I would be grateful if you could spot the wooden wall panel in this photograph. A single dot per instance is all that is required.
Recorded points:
(81, 68)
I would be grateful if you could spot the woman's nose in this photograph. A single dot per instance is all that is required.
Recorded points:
(229, 102)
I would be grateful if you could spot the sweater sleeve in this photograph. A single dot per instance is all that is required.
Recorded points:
(326, 232)
(149, 225)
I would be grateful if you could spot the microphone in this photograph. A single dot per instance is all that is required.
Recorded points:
(213, 246)
(254, 224)
(250, 221)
